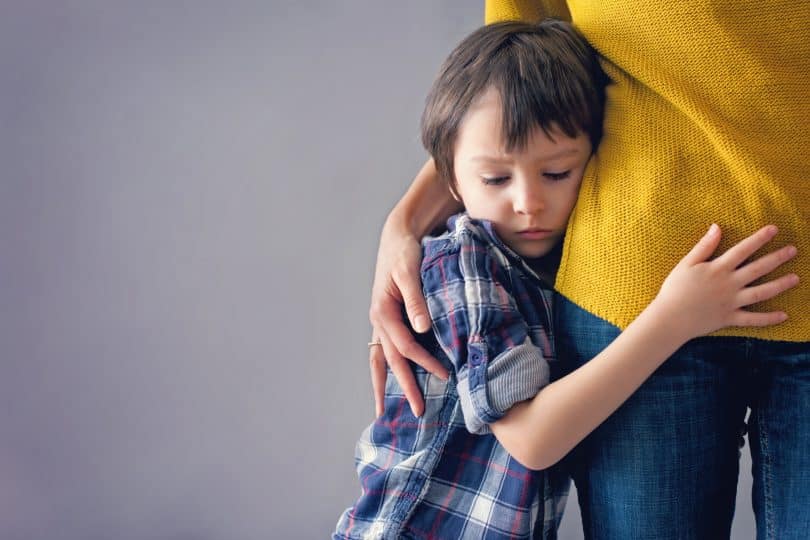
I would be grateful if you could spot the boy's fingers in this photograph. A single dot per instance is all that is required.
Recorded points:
(407, 381)
(376, 361)
(750, 318)
(738, 253)
(765, 264)
(766, 291)
(705, 246)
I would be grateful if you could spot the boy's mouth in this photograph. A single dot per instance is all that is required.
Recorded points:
(535, 233)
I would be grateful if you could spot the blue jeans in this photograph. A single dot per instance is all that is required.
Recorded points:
(665, 465)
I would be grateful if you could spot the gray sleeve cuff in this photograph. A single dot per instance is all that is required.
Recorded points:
(515, 375)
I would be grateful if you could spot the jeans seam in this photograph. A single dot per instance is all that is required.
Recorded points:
(767, 479)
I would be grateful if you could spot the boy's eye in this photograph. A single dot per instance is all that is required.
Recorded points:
(494, 180)
(557, 175)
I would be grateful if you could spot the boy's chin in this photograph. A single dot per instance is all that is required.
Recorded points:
(533, 252)
(538, 251)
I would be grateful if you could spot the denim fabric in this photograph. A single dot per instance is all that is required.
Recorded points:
(665, 465)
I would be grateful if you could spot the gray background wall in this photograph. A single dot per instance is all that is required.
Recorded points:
(190, 198)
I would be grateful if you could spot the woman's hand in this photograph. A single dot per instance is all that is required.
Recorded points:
(700, 296)
(396, 281)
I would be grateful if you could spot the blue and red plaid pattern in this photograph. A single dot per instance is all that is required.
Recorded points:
(444, 475)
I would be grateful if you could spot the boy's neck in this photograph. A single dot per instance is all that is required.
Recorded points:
(546, 266)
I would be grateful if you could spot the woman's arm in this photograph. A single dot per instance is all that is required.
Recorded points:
(697, 298)
(425, 205)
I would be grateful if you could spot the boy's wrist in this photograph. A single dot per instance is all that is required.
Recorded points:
(670, 327)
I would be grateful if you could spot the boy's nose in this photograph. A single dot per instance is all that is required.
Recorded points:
(529, 200)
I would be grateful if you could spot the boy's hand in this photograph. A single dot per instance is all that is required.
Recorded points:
(700, 296)
(396, 281)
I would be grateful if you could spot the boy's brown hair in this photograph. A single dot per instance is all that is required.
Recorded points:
(546, 75)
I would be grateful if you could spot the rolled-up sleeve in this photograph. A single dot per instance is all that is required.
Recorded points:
(478, 325)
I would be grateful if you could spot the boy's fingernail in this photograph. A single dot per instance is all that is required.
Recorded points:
(712, 229)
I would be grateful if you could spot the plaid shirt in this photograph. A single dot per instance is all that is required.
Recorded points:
(444, 475)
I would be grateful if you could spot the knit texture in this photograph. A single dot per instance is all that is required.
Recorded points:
(705, 122)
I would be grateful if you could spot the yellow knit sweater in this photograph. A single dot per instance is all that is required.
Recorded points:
(707, 121)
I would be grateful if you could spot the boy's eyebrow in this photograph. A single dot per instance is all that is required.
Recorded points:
(492, 159)
(496, 159)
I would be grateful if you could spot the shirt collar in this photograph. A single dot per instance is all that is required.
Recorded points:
(487, 230)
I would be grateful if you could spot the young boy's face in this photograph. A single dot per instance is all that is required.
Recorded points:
(527, 194)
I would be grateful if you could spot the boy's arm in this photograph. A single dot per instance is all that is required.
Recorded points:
(697, 298)
(479, 326)
(425, 205)
(525, 10)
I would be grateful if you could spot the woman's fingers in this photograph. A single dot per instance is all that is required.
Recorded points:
(766, 291)
(739, 252)
(402, 371)
(399, 346)
(403, 341)
(765, 264)
(414, 301)
(376, 364)
(388, 318)
(386, 315)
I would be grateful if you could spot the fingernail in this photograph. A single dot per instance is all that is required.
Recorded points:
(712, 229)
(791, 251)
(420, 323)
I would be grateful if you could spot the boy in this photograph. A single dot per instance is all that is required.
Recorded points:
(511, 123)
